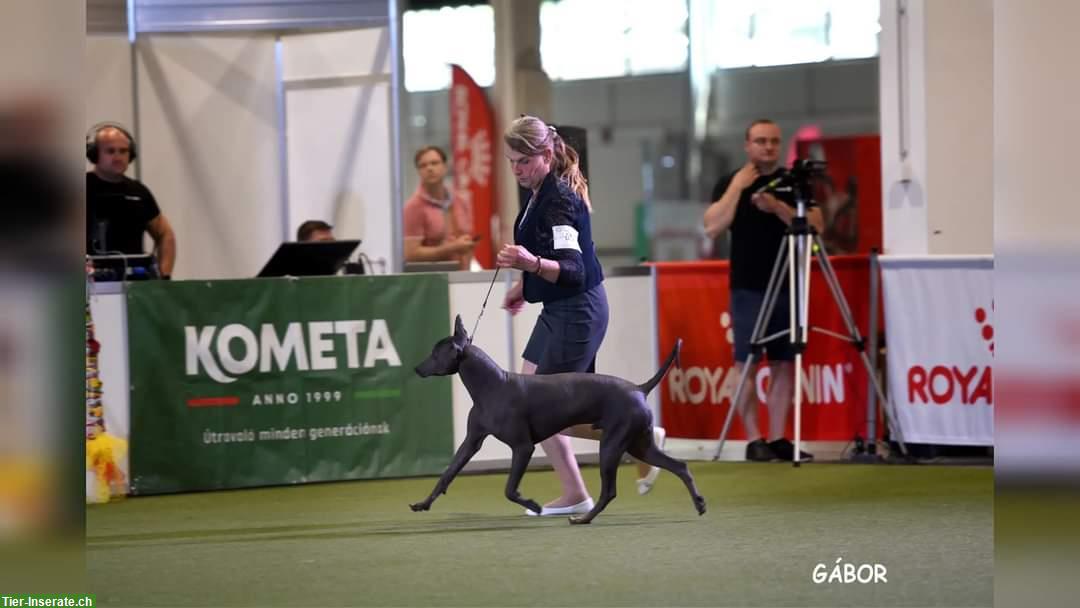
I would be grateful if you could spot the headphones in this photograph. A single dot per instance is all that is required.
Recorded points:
(91, 140)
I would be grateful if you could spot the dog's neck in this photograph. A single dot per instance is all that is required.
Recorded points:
(477, 369)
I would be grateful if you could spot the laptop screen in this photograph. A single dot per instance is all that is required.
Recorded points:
(308, 259)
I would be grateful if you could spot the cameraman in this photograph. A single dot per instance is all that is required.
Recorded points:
(758, 221)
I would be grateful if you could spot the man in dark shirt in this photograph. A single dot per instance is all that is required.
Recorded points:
(120, 209)
(758, 221)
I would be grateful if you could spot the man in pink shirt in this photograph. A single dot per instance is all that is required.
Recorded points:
(437, 224)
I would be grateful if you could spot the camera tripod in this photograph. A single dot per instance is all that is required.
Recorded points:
(798, 248)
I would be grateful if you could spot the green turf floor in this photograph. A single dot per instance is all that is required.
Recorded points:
(358, 544)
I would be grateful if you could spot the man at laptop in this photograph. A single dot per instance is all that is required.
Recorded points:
(436, 223)
(120, 209)
(318, 231)
(314, 230)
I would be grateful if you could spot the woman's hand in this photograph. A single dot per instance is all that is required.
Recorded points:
(516, 256)
(514, 300)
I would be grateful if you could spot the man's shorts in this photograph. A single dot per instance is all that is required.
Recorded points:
(568, 333)
(745, 306)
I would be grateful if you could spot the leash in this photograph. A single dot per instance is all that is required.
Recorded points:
(484, 305)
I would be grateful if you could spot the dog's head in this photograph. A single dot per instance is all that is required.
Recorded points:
(445, 357)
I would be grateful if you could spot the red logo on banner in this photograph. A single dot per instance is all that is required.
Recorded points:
(942, 384)
(987, 327)
(472, 140)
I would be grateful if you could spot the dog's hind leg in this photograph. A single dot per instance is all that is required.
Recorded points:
(522, 454)
(612, 447)
(646, 451)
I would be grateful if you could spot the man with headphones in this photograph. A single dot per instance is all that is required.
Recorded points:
(120, 209)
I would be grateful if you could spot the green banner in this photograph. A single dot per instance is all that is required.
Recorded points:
(278, 381)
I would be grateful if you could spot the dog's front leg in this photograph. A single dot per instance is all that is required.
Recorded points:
(522, 455)
(468, 448)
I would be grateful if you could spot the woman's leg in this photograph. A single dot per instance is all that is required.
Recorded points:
(586, 431)
(596, 327)
(561, 454)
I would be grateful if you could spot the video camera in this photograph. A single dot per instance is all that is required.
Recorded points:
(807, 169)
(798, 180)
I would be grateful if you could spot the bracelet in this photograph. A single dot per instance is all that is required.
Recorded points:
(539, 261)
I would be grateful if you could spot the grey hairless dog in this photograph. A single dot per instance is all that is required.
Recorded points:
(523, 410)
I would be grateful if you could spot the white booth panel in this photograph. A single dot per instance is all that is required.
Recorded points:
(336, 54)
(630, 347)
(208, 148)
(108, 80)
(340, 165)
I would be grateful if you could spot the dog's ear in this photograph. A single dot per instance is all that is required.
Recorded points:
(459, 328)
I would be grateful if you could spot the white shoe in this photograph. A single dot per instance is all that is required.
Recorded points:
(580, 508)
(645, 484)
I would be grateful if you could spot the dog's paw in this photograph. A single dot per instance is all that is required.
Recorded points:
(420, 506)
(533, 506)
(580, 519)
(699, 504)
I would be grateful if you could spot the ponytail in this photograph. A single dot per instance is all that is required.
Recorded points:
(567, 169)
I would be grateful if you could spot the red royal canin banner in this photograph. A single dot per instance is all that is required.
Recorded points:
(472, 140)
(694, 305)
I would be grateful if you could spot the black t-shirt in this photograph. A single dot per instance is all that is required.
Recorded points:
(755, 235)
(117, 215)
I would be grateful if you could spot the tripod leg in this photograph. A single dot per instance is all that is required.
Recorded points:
(793, 289)
(762, 321)
(772, 290)
(804, 316)
(735, 400)
(802, 329)
(834, 287)
(798, 409)
(857, 340)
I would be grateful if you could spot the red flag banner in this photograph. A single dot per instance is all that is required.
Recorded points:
(694, 305)
(472, 140)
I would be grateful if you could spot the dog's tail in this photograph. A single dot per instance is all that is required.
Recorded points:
(673, 357)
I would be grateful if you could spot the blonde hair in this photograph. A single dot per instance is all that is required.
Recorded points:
(530, 136)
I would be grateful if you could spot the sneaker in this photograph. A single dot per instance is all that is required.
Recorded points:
(645, 484)
(759, 451)
(579, 509)
(785, 450)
